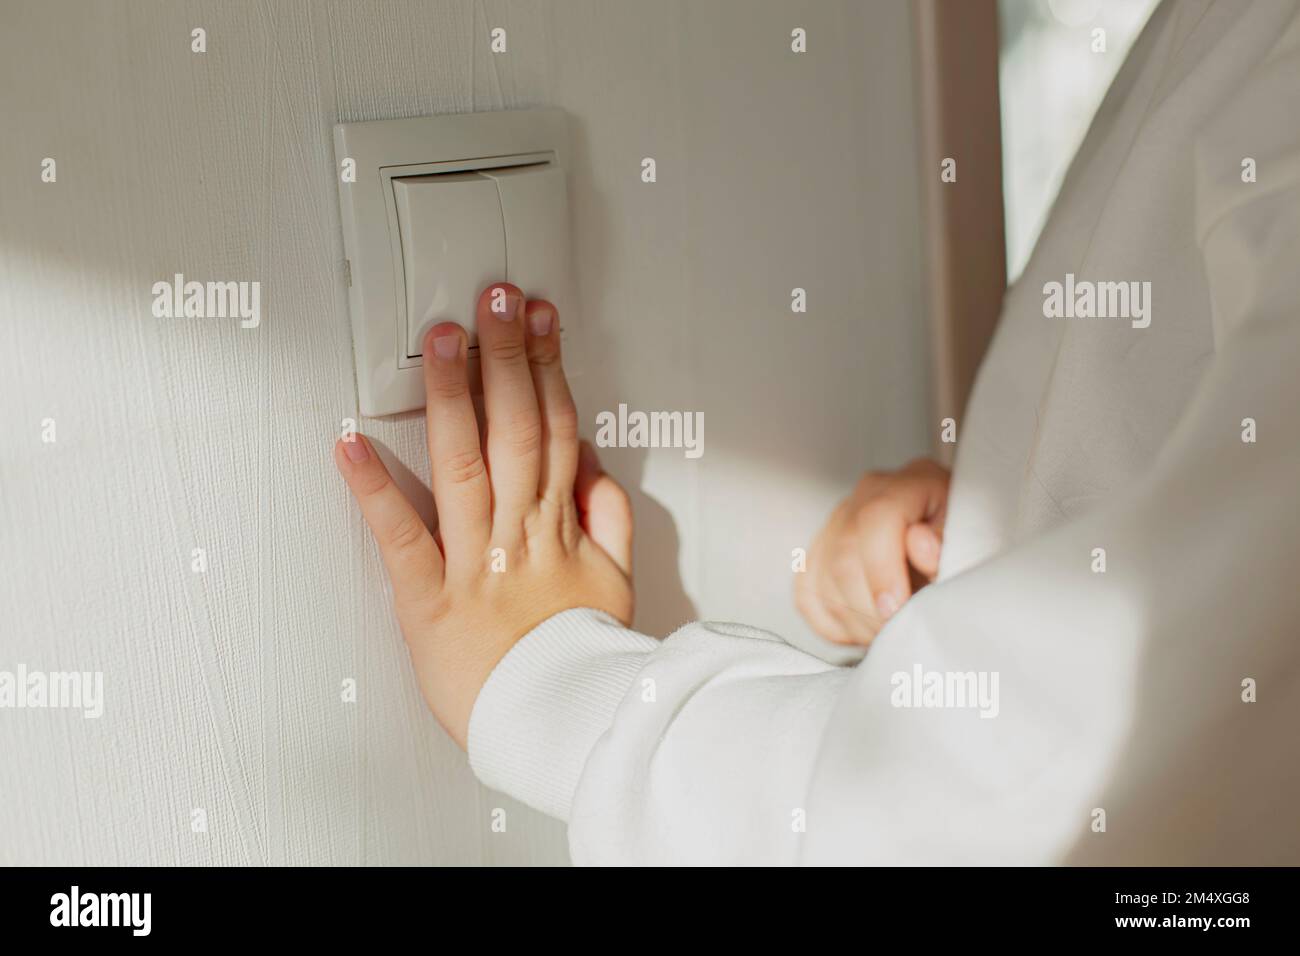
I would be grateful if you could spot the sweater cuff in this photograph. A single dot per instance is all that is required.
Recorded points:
(548, 701)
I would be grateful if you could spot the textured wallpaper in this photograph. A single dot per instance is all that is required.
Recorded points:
(169, 513)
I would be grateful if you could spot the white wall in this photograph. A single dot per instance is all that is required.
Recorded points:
(775, 170)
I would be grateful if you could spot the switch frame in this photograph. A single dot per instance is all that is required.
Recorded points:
(389, 381)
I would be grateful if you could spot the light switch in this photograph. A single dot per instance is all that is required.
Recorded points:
(434, 209)
(453, 245)
(535, 210)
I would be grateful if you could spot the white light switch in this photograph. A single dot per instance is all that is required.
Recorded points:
(434, 209)
(453, 246)
(535, 209)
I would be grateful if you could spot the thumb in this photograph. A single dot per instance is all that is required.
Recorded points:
(603, 509)
(412, 558)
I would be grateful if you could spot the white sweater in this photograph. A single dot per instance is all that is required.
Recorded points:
(1123, 697)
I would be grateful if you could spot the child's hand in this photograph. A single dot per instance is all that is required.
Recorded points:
(858, 574)
(525, 530)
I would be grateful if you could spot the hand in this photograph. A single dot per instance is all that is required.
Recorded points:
(858, 567)
(528, 524)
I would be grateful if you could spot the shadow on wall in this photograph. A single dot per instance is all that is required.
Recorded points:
(662, 604)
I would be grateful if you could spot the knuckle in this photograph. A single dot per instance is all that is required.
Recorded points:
(371, 481)
(563, 422)
(545, 354)
(507, 349)
(928, 469)
(868, 519)
(407, 535)
(449, 386)
(541, 523)
(870, 484)
(524, 437)
(463, 467)
(846, 566)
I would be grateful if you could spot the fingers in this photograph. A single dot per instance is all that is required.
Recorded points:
(460, 481)
(559, 416)
(884, 558)
(408, 551)
(844, 594)
(883, 541)
(917, 496)
(514, 424)
(813, 608)
(604, 509)
(923, 548)
(923, 491)
(926, 494)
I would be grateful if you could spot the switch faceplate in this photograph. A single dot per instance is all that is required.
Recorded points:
(436, 208)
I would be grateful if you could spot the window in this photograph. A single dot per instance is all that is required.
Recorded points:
(1053, 74)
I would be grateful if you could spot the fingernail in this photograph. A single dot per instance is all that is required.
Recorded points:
(505, 304)
(446, 347)
(886, 604)
(355, 449)
(539, 323)
(512, 308)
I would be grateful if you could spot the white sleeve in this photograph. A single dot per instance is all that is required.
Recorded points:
(1123, 691)
(717, 722)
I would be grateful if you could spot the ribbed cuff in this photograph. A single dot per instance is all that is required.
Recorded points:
(548, 701)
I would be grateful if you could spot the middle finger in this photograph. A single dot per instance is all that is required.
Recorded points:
(514, 424)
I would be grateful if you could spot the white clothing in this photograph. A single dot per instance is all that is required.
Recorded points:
(1119, 691)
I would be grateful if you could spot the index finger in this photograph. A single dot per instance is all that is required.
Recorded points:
(461, 491)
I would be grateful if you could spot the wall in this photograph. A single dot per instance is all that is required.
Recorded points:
(222, 688)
